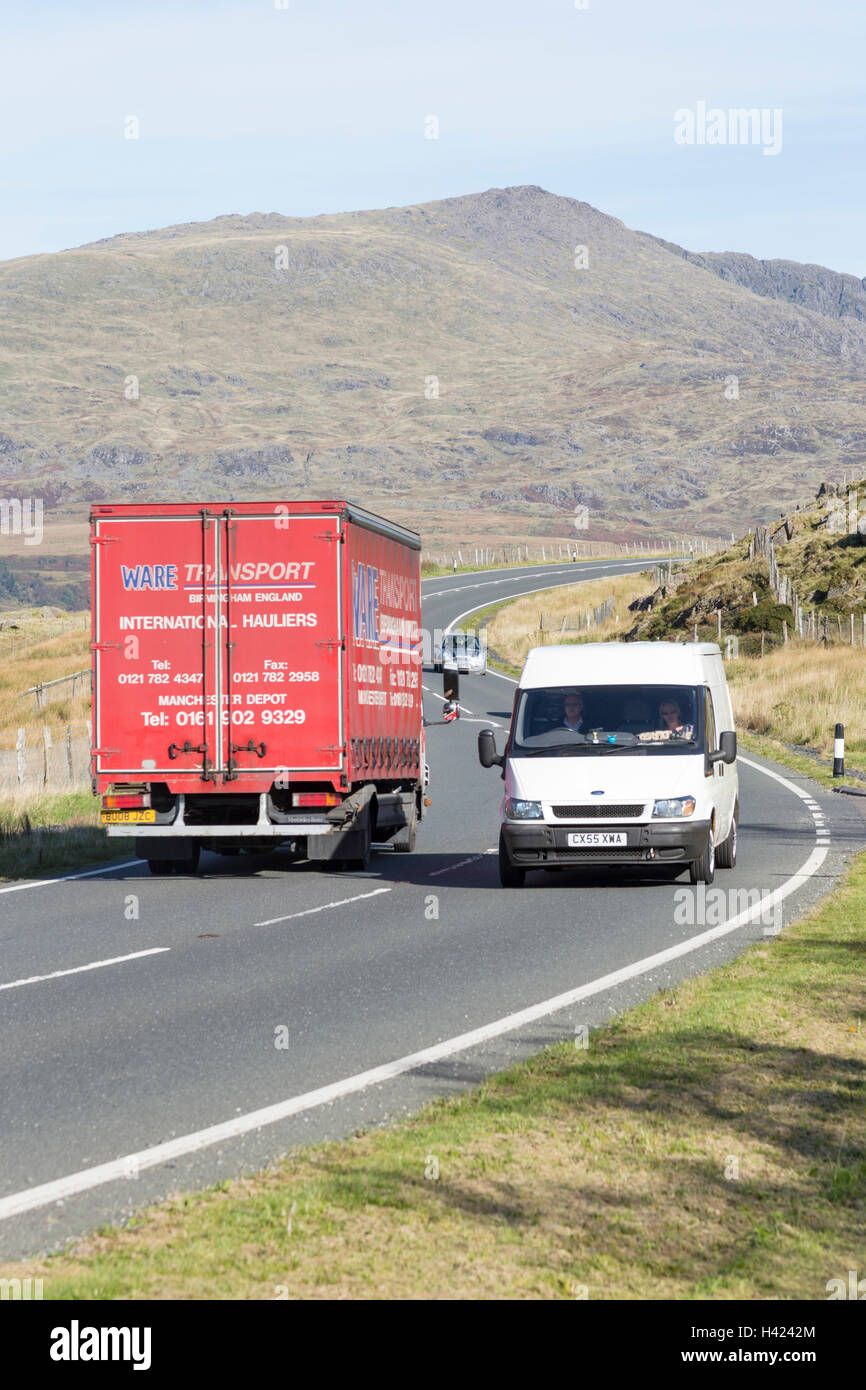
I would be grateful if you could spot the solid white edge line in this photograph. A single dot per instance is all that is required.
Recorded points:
(108, 867)
(62, 1188)
(79, 969)
(625, 564)
(308, 911)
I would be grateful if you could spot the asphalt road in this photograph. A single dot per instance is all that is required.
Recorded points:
(126, 1081)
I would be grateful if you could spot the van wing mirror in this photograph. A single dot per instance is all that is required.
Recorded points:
(451, 686)
(727, 749)
(487, 754)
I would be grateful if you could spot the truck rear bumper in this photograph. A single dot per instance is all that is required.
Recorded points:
(177, 825)
(539, 844)
(394, 809)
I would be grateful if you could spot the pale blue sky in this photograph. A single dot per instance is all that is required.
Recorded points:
(320, 107)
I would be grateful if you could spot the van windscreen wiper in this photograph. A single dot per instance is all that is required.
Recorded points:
(575, 750)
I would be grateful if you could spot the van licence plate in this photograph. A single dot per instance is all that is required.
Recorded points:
(596, 839)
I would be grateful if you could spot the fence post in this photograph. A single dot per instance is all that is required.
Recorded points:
(46, 749)
(20, 745)
(69, 753)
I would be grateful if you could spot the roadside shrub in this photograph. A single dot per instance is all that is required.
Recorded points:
(766, 616)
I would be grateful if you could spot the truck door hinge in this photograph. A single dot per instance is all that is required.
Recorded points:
(333, 642)
(104, 540)
(175, 748)
(105, 646)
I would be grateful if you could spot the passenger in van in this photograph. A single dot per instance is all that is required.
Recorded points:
(672, 724)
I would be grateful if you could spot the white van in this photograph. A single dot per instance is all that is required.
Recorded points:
(618, 752)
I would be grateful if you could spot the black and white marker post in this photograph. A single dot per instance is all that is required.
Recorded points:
(839, 751)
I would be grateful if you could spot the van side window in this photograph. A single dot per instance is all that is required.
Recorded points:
(710, 723)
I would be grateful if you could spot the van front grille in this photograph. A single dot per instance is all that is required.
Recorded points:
(596, 812)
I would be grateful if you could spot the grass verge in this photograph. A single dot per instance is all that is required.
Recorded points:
(46, 834)
(709, 1144)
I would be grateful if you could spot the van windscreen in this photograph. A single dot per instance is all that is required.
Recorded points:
(593, 720)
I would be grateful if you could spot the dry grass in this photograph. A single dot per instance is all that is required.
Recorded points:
(798, 693)
(51, 659)
(47, 833)
(514, 628)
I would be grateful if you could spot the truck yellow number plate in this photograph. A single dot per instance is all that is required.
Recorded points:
(128, 817)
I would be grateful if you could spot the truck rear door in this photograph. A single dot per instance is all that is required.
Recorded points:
(282, 657)
(157, 655)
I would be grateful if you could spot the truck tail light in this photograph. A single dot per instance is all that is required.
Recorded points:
(127, 802)
(316, 799)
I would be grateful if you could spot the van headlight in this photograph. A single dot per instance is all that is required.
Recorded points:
(522, 810)
(675, 806)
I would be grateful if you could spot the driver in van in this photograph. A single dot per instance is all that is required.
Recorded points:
(672, 724)
(573, 712)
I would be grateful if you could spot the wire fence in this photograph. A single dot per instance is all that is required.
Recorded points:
(55, 758)
(14, 642)
(809, 622)
(690, 547)
(45, 692)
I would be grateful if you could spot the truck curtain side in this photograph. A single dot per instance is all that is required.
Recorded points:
(257, 678)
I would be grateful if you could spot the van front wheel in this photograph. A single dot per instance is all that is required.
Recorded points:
(727, 855)
(703, 870)
(509, 877)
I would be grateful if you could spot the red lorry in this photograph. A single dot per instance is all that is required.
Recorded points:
(256, 679)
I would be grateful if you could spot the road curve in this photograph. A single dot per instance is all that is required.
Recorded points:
(140, 1015)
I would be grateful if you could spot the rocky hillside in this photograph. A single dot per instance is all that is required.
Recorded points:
(813, 287)
(821, 549)
(476, 366)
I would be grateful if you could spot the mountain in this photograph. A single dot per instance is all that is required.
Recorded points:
(810, 286)
(576, 363)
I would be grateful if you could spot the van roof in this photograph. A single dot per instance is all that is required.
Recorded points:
(613, 663)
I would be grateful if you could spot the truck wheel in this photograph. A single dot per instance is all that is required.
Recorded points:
(726, 855)
(161, 868)
(703, 870)
(509, 877)
(189, 866)
(404, 840)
